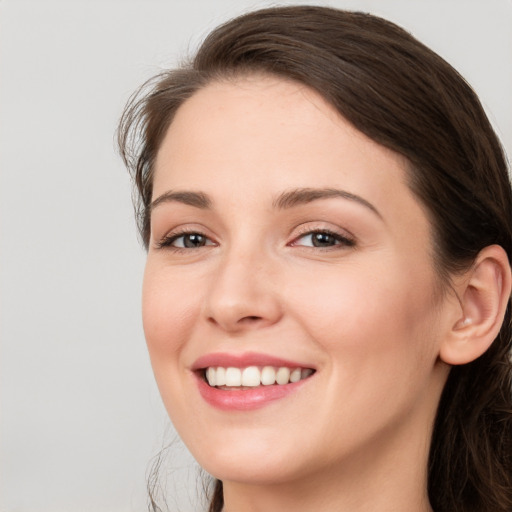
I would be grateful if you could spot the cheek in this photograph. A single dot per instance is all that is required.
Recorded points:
(168, 304)
(376, 330)
(365, 316)
(169, 314)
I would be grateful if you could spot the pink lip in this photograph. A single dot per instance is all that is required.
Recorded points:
(244, 399)
(244, 360)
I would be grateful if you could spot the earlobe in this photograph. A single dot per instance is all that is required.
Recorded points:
(484, 292)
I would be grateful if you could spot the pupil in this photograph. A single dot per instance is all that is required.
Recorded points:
(194, 240)
(322, 239)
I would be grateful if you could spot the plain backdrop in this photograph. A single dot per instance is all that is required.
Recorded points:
(80, 415)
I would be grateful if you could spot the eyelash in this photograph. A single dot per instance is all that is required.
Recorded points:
(167, 241)
(342, 241)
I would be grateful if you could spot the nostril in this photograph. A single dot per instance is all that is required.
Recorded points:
(250, 319)
(244, 322)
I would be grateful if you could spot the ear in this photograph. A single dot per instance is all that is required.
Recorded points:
(484, 292)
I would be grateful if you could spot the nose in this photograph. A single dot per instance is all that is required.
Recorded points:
(243, 295)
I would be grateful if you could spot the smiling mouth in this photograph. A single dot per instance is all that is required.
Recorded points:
(232, 378)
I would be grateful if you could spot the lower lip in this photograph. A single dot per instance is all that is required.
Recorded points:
(245, 399)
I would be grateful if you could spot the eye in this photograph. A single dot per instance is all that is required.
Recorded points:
(323, 239)
(190, 240)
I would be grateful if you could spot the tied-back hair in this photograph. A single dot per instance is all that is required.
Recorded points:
(405, 97)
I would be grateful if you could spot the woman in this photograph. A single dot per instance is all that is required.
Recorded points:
(327, 292)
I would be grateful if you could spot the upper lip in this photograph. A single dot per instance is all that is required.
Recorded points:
(244, 360)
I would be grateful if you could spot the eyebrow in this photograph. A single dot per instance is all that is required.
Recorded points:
(300, 196)
(285, 200)
(196, 199)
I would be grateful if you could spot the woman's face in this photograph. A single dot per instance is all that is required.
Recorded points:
(285, 241)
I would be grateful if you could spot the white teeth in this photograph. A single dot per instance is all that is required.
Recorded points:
(252, 376)
(283, 375)
(220, 376)
(233, 377)
(210, 376)
(295, 375)
(268, 376)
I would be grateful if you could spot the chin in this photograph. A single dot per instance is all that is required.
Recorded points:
(249, 460)
(255, 472)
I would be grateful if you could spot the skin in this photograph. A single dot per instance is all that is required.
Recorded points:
(367, 315)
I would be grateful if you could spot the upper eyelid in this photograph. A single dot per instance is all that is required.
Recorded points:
(185, 230)
(317, 227)
(327, 231)
(171, 236)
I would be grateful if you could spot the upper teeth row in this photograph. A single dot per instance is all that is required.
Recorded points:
(253, 376)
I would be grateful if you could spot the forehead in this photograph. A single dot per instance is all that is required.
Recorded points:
(253, 133)
(265, 125)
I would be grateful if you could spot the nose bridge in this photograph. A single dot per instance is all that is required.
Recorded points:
(243, 294)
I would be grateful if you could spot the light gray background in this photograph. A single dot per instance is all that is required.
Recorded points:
(80, 414)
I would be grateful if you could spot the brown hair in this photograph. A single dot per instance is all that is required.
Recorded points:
(407, 98)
